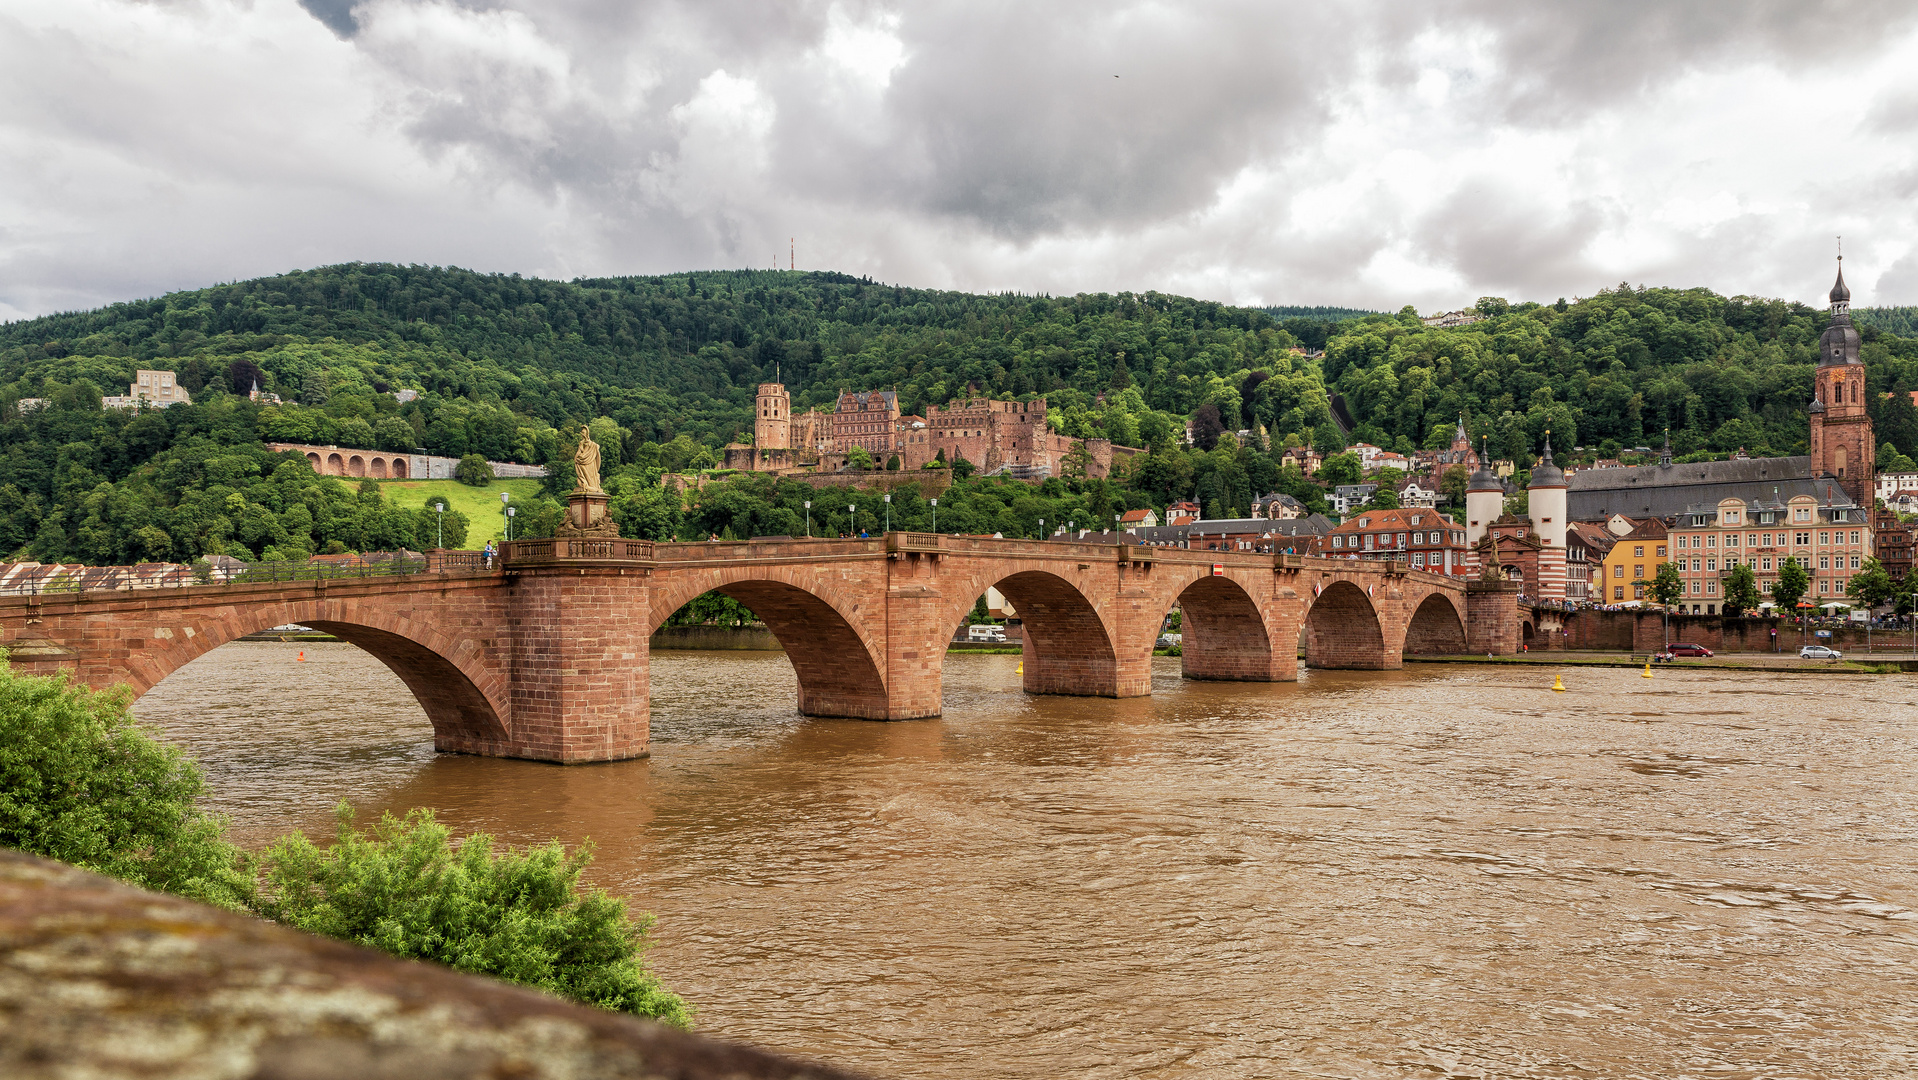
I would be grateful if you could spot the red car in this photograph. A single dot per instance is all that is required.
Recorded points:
(1685, 648)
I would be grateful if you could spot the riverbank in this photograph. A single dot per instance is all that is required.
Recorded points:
(1781, 663)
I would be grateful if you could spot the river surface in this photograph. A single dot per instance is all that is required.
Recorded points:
(1444, 871)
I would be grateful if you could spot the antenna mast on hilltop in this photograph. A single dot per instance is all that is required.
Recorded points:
(792, 247)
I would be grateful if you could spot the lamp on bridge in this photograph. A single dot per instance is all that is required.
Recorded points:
(935, 527)
(809, 519)
(852, 522)
(888, 498)
(439, 525)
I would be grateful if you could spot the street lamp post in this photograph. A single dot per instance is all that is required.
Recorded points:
(439, 525)
(506, 497)
(935, 529)
(888, 498)
(510, 511)
(809, 519)
(852, 523)
(1042, 528)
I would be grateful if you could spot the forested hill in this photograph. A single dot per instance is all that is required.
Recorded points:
(664, 368)
(661, 355)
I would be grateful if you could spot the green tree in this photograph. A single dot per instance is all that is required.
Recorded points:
(1793, 580)
(1741, 590)
(82, 782)
(1871, 585)
(1341, 468)
(473, 471)
(404, 888)
(1383, 499)
(1667, 587)
(1452, 484)
(859, 458)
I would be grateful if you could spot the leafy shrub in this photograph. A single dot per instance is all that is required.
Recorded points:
(518, 915)
(473, 471)
(82, 782)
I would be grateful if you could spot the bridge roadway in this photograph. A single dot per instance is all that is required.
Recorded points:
(545, 656)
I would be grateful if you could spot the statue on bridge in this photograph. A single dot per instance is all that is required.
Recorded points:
(586, 463)
(586, 516)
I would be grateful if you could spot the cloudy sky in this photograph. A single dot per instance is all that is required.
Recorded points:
(1357, 154)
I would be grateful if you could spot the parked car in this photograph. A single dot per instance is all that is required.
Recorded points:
(1820, 652)
(1685, 648)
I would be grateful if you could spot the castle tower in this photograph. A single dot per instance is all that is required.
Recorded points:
(1545, 496)
(1484, 500)
(1841, 434)
(772, 420)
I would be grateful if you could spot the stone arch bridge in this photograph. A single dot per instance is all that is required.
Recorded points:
(544, 655)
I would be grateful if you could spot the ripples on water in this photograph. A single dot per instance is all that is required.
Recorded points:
(1445, 871)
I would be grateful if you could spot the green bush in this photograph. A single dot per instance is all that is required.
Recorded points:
(82, 782)
(517, 915)
(473, 471)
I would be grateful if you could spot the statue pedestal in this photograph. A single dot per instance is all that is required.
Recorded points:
(586, 516)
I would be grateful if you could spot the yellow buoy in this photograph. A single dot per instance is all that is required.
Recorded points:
(1648, 670)
(1558, 684)
(1022, 668)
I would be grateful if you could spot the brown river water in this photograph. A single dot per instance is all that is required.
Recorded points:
(1442, 871)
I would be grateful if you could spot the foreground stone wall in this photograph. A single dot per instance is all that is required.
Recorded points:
(102, 980)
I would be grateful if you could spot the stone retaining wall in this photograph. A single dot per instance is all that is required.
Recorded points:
(100, 979)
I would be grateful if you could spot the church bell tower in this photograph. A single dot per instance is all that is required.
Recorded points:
(1841, 434)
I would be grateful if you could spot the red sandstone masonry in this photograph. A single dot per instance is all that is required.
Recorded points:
(549, 659)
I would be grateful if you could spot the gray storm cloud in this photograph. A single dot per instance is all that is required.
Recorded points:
(1366, 154)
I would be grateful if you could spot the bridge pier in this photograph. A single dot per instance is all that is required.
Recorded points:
(581, 672)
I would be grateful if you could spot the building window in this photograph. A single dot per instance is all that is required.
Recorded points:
(1711, 541)
(1695, 566)
(1638, 571)
(1824, 538)
(1711, 587)
(1824, 562)
(1661, 551)
(1618, 570)
(1824, 586)
(1854, 562)
(1710, 564)
(1802, 539)
(1638, 551)
(1618, 592)
(1767, 563)
(1731, 539)
(1854, 536)
(1694, 588)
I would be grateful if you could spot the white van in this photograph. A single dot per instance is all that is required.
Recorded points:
(995, 634)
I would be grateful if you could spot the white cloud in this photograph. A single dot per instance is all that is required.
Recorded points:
(1374, 154)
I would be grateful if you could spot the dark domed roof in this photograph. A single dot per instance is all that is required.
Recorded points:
(1816, 406)
(1546, 474)
(1838, 292)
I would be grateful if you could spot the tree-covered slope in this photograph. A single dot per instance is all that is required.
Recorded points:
(664, 368)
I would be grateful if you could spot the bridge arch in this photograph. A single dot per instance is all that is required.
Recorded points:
(1223, 633)
(834, 656)
(1068, 649)
(1437, 627)
(1342, 629)
(467, 702)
